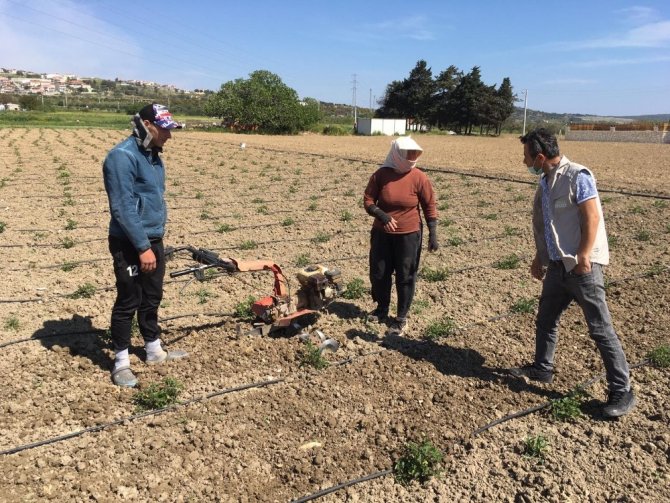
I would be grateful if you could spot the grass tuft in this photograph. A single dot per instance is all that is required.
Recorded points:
(434, 275)
(355, 289)
(440, 329)
(660, 357)
(85, 291)
(311, 357)
(524, 306)
(418, 462)
(158, 395)
(536, 447)
(243, 309)
(508, 262)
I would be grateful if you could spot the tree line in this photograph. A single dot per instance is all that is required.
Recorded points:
(452, 99)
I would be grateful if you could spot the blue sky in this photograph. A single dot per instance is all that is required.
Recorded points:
(589, 56)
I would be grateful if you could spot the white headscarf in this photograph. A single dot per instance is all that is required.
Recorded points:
(397, 156)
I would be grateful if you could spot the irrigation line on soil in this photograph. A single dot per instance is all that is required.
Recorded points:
(541, 406)
(453, 171)
(154, 412)
(509, 417)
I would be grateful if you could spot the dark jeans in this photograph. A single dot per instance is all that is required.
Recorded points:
(397, 253)
(136, 291)
(588, 290)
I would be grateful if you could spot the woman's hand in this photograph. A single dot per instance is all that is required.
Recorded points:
(391, 225)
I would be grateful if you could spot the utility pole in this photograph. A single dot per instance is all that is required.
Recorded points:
(353, 104)
(525, 108)
(371, 103)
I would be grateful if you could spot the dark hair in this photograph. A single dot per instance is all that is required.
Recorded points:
(541, 141)
(148, 113)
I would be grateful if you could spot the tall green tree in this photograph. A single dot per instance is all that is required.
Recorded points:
(262, 102)
(445, 83)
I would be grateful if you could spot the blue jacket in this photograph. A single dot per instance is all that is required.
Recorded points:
(135, 184)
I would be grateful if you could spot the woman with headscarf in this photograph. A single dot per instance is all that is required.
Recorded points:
(393, 197)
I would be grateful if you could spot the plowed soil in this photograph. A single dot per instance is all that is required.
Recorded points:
(297, 199)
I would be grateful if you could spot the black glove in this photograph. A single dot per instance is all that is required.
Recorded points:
(378, 213)
(433, 245)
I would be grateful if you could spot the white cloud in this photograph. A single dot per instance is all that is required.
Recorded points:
(413, 27)
(621, 61)
(638, 14)
(569, 81)
(649, 35)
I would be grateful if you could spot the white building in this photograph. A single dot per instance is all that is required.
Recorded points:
(388, 127)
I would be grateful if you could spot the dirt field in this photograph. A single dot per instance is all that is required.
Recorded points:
(300, 198)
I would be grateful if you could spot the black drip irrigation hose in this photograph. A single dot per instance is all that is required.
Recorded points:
(100, 427)
(478, 431)
(154, 412)
(544, 405)
(453, 171)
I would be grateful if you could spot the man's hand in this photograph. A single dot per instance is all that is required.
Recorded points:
(147, 261)
(536, 269)
(583, 265)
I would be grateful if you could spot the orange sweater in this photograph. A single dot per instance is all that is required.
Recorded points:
(400, 195)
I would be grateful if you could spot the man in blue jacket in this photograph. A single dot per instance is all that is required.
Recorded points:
(134, 178)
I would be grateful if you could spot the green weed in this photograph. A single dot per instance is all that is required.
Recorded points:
(439, 329)
(642, 235)
(660, 357)
(418, 462)
(508, 262)
(434, 275)
(313, 206)
(638, 210)
(455, 241)
(158, 395)
(312, 357)
(3, 226)
(243, 309)
(355, 289)
(199, 195)
(85, 291)
(536, 447)
(491, 216)
(568, 408)
(654, 270)
(511, 231)
(68, 266)
(224, 228)
(70, 225)
(12, 323)
(660, 204)
(350, 193)
(287, 222)
(321, 237)
(203, 295)
(263, 209)
(303, 260)
(419, 306)
(248, 245)
(524, 306)
(346, 216)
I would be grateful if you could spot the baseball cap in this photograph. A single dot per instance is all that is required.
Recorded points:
(160, 116)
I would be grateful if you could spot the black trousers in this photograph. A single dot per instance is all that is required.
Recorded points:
(136, 292)
(389, 253)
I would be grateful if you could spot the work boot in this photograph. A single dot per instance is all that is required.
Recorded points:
(398, 327)
(377, 316)
(165, 356)
(533, 373)
(124, 377)
(619, 403)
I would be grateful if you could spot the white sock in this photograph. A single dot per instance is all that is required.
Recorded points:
(153, 348)
(121, 359)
